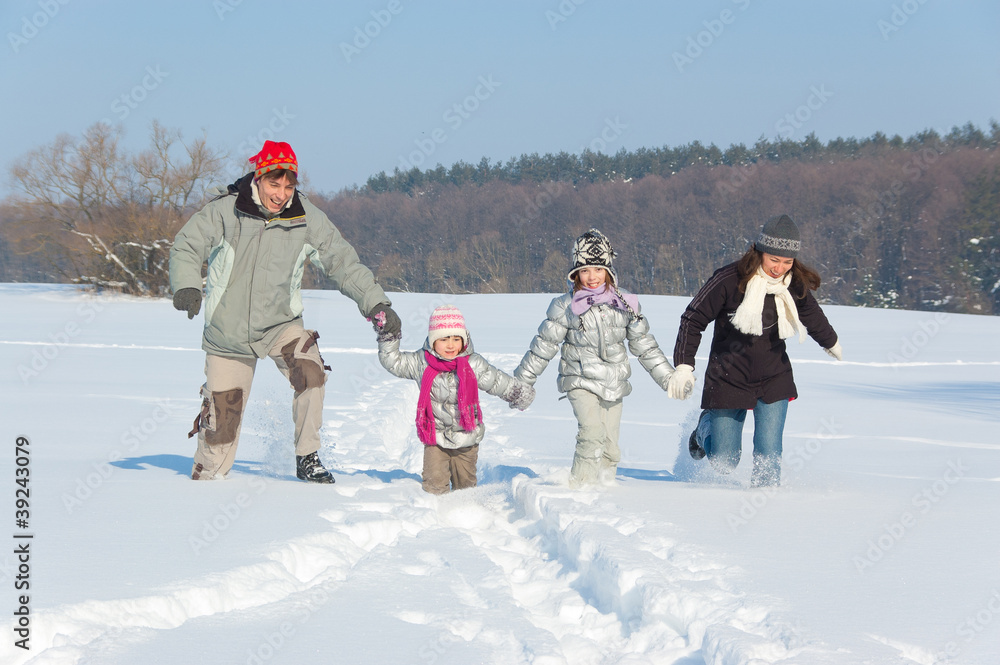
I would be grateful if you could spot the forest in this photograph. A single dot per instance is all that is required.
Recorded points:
(908, 223)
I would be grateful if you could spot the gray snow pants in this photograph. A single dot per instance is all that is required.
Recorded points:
(597, 453)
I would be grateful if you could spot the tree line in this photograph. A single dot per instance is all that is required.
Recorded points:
(888, 222)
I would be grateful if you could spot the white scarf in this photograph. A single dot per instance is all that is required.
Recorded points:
(748, 317)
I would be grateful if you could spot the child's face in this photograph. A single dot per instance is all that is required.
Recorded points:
(592, 278)
(449, 347)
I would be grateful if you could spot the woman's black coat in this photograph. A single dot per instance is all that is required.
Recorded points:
(744, 368)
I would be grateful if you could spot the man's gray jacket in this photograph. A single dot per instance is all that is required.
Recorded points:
(255, 268)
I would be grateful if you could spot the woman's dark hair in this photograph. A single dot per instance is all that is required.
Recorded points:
(801, 273)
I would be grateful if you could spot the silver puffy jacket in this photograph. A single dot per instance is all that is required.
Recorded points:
(593, 350)
(444, 389)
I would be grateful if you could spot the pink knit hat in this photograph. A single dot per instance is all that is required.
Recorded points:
(445, 321)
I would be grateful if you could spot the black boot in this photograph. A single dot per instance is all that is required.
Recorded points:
(694, 447)
(310, 469)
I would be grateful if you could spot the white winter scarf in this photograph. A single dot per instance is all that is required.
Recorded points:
(748, 317)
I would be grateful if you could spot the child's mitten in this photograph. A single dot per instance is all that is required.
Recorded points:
(520, 396)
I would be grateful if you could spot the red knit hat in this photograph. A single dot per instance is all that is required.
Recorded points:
(274, 156)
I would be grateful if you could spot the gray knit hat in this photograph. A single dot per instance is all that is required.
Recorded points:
(593, 250)
(779, 237)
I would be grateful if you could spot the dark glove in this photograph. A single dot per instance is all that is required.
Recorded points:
(521, 396)
(385, 320)
(188, 299)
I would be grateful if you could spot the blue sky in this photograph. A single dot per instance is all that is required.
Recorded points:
(357, 88)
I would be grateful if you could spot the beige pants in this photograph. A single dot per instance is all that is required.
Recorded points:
(454, 467)
(597, 453)
(225, 395)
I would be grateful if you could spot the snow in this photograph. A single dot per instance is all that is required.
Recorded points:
(879, 547)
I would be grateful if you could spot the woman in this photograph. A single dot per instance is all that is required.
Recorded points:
(756, 303)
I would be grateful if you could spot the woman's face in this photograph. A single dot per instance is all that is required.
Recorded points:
(776, 266)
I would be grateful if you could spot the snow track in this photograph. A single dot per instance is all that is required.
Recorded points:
(580, 583)
(520, 569)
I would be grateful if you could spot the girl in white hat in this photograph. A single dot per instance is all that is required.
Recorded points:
(590, 325)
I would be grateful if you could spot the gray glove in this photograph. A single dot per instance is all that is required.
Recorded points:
(189, 300)
(385, 320)
(520, 396)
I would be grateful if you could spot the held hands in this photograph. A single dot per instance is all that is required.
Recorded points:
(188, 300)
(681, 383)
(521, 396)
(385, 320)
(835, 351)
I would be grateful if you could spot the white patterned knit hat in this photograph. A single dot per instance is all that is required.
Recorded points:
(446, 321)
(593, 250)
(779, 237)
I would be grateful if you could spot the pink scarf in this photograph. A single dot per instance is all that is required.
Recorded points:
(585, 298)
(468, 396)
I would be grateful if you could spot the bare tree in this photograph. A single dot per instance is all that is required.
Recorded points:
(104, 217)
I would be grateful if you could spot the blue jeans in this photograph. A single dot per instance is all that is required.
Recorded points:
(725, 444)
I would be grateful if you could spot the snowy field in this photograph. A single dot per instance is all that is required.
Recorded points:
(881, 546)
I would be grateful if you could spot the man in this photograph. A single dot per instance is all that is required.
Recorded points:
(256, 238)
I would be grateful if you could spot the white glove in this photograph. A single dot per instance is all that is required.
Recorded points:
(835, 351)
(681, 383)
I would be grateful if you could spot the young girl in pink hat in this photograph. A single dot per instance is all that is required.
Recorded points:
(449, 419)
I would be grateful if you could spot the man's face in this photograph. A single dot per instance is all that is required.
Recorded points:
(275, 192)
